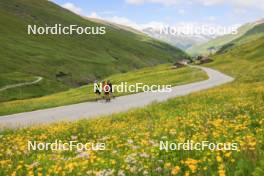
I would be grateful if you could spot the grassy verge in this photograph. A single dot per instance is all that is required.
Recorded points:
(159, 75)
(231, 113)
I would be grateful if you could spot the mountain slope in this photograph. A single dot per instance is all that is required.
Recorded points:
(69, 60)
(251, 36)
(182, 41)
(218, 42)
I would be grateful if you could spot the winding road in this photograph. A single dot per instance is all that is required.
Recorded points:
(119, 104)
(21, 84)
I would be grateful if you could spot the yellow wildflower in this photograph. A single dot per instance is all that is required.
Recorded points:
(175, 170)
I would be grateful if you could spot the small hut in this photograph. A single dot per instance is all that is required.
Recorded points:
(205, 60)
(180, 64)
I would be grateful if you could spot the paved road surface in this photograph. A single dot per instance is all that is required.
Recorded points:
(119, 104)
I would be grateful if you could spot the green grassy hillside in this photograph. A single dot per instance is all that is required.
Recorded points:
(231, 113)
(66, 61)
(250, 36)
(218, 42)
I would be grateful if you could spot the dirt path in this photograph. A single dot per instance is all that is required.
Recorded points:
(21, 84)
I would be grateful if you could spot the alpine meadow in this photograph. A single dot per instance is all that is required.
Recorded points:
(49, 101)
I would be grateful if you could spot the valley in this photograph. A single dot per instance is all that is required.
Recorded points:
(47, 95)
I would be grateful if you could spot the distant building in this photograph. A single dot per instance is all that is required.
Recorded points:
(205, 60)
(202, 59)
(211, 50)
(180, 63)
(184, 61)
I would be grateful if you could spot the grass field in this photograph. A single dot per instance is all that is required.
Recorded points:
(68, 61)
(159, 75)
(228, 113)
